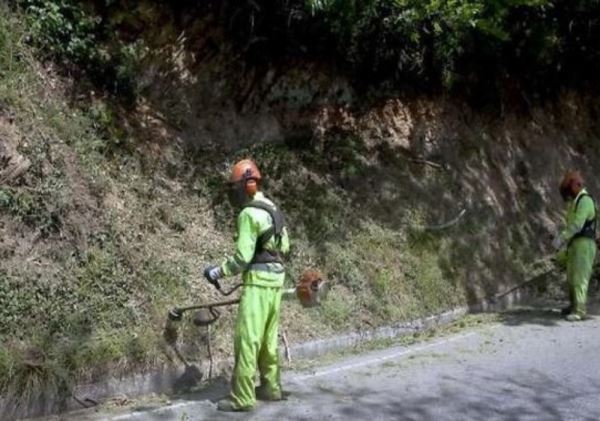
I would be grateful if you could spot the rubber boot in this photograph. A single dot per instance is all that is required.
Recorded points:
(226, 405)
(574, 317)
(263, 394)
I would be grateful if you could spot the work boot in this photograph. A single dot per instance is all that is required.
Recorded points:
(263, 394)
(227, 405)
(574, 317)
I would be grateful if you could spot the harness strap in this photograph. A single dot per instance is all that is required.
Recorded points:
(267, 267)
(589, 227)
(262, 255)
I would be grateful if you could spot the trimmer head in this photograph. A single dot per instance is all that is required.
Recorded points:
(170, 333)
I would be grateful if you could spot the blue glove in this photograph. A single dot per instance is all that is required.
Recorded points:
(213, 274)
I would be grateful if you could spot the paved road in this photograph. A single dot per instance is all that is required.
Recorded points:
(530, 366)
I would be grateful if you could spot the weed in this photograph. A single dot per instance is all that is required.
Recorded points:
(339, 308)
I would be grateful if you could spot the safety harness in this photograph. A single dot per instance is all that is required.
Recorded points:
(589, 227)
(261, 254)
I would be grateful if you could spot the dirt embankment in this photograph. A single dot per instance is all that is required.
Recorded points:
(397, 161)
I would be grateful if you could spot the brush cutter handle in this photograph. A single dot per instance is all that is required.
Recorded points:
(212, 275)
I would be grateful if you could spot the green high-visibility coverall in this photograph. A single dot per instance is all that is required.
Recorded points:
(581, 251)
(256, 330)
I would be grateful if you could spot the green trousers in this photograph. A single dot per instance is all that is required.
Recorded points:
(580, 263)
(256, 343)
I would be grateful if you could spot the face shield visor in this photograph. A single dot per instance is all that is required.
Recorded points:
(236, 193)
(565, 193)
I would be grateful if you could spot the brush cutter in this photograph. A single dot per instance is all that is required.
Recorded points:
(310, 291)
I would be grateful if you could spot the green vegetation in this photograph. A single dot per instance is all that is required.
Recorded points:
(71, 33)
(485, 48)
(488, 50)
(67, 295)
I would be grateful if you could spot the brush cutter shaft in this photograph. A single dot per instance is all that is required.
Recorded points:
(210, 305)
(309, 292)
(176, 314)
(231, 291)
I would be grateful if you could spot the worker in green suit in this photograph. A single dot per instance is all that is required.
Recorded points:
(576, 242)
(262, 241)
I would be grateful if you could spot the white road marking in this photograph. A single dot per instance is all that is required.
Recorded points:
(376, 360)
(320, 373)
(152, 411)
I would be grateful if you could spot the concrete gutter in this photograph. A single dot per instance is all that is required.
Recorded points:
(323, 346)
(349, 340)
(175, 379)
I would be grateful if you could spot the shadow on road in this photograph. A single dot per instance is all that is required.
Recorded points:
(544, 314)
(537, 316)
(530, 395)
(216, 390)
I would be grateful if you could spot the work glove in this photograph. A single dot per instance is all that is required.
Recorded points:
(558, 242)
(213, 274)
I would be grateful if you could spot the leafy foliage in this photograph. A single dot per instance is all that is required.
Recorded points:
(65, 30)
(480, 47)
(473, 45)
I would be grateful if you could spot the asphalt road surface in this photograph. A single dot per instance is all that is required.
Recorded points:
(528, 366)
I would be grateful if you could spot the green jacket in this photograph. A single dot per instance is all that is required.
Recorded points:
(578, 213)
(251, 223)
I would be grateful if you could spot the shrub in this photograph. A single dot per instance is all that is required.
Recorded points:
(66, 31)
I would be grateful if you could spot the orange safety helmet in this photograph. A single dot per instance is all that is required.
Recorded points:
(571, 185)
(246, 171)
